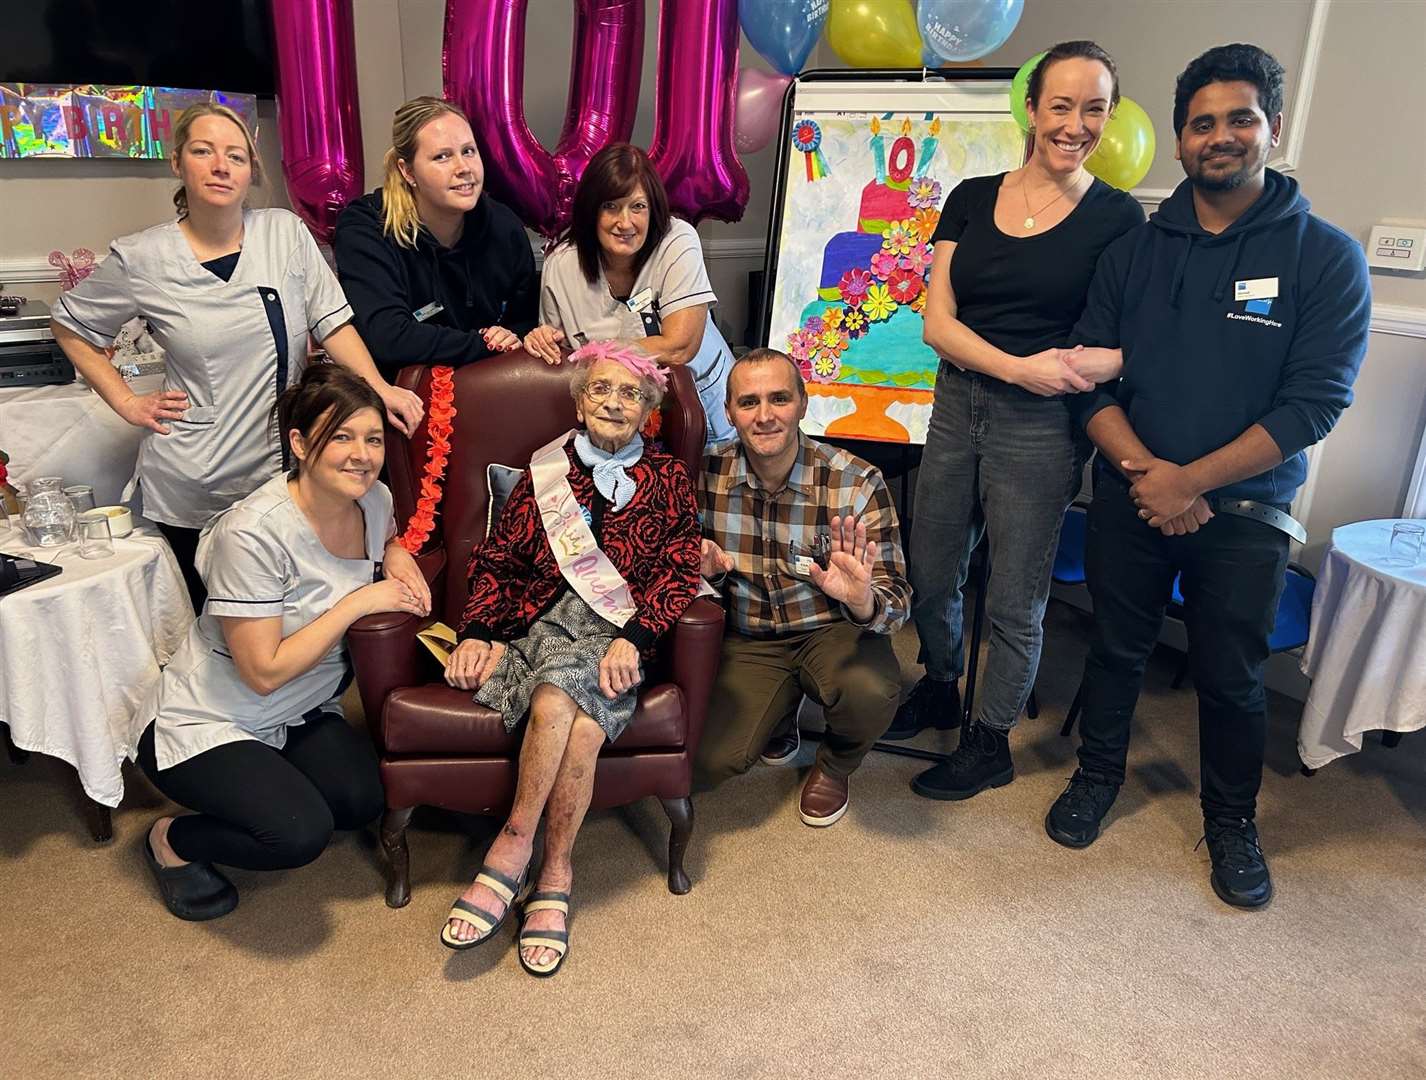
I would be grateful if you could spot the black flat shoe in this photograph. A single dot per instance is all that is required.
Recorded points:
(195, 891)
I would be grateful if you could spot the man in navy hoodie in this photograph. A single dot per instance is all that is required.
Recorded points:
(1243, 320)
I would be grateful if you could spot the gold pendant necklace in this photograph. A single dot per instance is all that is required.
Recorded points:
(1031, 214)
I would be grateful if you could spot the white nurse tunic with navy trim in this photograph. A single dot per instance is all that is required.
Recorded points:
(261, 558)
(231, 346)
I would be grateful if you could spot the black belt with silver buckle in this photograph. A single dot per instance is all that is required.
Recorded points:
(1268, 515)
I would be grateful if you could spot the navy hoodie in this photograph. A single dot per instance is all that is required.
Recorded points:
(1208, 352)
(487, 279)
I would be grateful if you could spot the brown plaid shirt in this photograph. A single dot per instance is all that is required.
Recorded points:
(757, 528)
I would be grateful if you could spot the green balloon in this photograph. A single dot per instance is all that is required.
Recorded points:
(1019, 87)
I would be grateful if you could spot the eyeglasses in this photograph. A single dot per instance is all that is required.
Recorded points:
(629, 395)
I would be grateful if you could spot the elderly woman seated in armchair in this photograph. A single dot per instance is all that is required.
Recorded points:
(595, 556)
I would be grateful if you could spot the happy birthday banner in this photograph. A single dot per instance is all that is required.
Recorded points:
(87, 121)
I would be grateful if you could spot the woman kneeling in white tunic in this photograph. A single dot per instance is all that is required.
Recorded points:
(245, 730)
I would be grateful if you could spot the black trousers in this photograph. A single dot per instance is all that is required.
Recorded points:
(184, 543)
(265, 809)
(1233, 571)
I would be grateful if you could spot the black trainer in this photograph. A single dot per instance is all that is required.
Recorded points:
(931, 703)
(982, 760)
(1075, 817)
(1240, 872)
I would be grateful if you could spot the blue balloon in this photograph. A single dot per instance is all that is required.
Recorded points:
(961, 30)
(783, 31)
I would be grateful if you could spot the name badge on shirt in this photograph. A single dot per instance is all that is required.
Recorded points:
(434, 308)
(1263, 288)
(641, 300)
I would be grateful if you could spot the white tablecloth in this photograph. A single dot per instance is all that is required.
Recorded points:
(1366, 655)
(79, 651)
(68, 431)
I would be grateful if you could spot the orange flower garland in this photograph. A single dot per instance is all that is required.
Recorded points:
(439, 413)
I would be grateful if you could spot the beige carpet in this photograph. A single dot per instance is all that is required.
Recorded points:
(913, 939)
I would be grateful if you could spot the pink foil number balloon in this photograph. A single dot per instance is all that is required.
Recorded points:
(692, 146)
(484, 62)
(484, 59)
(317, 113)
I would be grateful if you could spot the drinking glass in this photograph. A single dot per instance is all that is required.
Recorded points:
(46, 483)
(1404, 547)
(95, 539)
(82, 496)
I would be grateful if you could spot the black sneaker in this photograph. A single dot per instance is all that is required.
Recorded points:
(931, 703)
(1240, 872)
(982, 760)
(1075, 818)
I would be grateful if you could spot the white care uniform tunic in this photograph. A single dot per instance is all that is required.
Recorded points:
(674, 278)
(259, 559)
(231, 346)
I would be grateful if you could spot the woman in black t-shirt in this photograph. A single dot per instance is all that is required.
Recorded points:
(1012, 263)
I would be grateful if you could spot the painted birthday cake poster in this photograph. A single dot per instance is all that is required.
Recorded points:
(863, 199)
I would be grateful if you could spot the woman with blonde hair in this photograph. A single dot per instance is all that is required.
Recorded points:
(437, 270)
(231, 294)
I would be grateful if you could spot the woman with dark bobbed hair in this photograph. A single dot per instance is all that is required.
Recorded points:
(627, 269)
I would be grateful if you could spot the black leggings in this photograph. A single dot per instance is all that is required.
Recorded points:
(184, 543)
(265, 809)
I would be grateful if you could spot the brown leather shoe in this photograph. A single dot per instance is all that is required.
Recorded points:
(824, 798)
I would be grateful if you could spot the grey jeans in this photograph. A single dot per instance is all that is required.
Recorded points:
(1003, 461)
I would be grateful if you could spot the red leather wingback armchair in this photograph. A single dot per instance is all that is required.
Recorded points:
(437, 746)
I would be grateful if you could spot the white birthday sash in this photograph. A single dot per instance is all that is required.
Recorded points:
(586, 568)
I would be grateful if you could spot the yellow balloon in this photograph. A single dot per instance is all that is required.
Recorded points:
(1126, 149)
(874, 33)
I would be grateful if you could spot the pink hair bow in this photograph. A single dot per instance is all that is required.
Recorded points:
(72, 269)
(626, 356)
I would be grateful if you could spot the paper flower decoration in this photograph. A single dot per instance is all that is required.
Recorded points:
(899, 238)
(882, 265)
(854, 284)
(917, 260)
(854, 323)
(880, 304)
(924, 192)
(826, 367)
(925, 223)
(440, 411)
(904, 286)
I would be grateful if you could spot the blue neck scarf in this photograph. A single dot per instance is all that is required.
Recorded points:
(610, 478)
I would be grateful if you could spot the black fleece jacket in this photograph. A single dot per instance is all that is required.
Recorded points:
(487, 279)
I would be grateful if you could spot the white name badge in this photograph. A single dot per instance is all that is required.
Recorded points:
(641, 300)
(802, 565)
(433, 308)
(1263, 288)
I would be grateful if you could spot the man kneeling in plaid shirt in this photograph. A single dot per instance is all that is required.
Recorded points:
(802, 539)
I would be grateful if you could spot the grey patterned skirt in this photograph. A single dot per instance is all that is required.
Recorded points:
(563, 647)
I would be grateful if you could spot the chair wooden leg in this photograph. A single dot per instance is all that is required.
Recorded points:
(1032, 707)
(13, 752)
(101, 822)
(680, 817)
(1390, 738)
(398, 857)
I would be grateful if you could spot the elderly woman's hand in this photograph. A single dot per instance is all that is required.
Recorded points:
(545, 342)
(619, 670)
(472, 663)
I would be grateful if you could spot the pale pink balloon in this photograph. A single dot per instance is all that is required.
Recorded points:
(759, 109)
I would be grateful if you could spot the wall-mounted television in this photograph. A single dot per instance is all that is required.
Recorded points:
(194, 44)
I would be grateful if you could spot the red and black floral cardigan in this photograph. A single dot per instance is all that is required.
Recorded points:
(654, 543)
